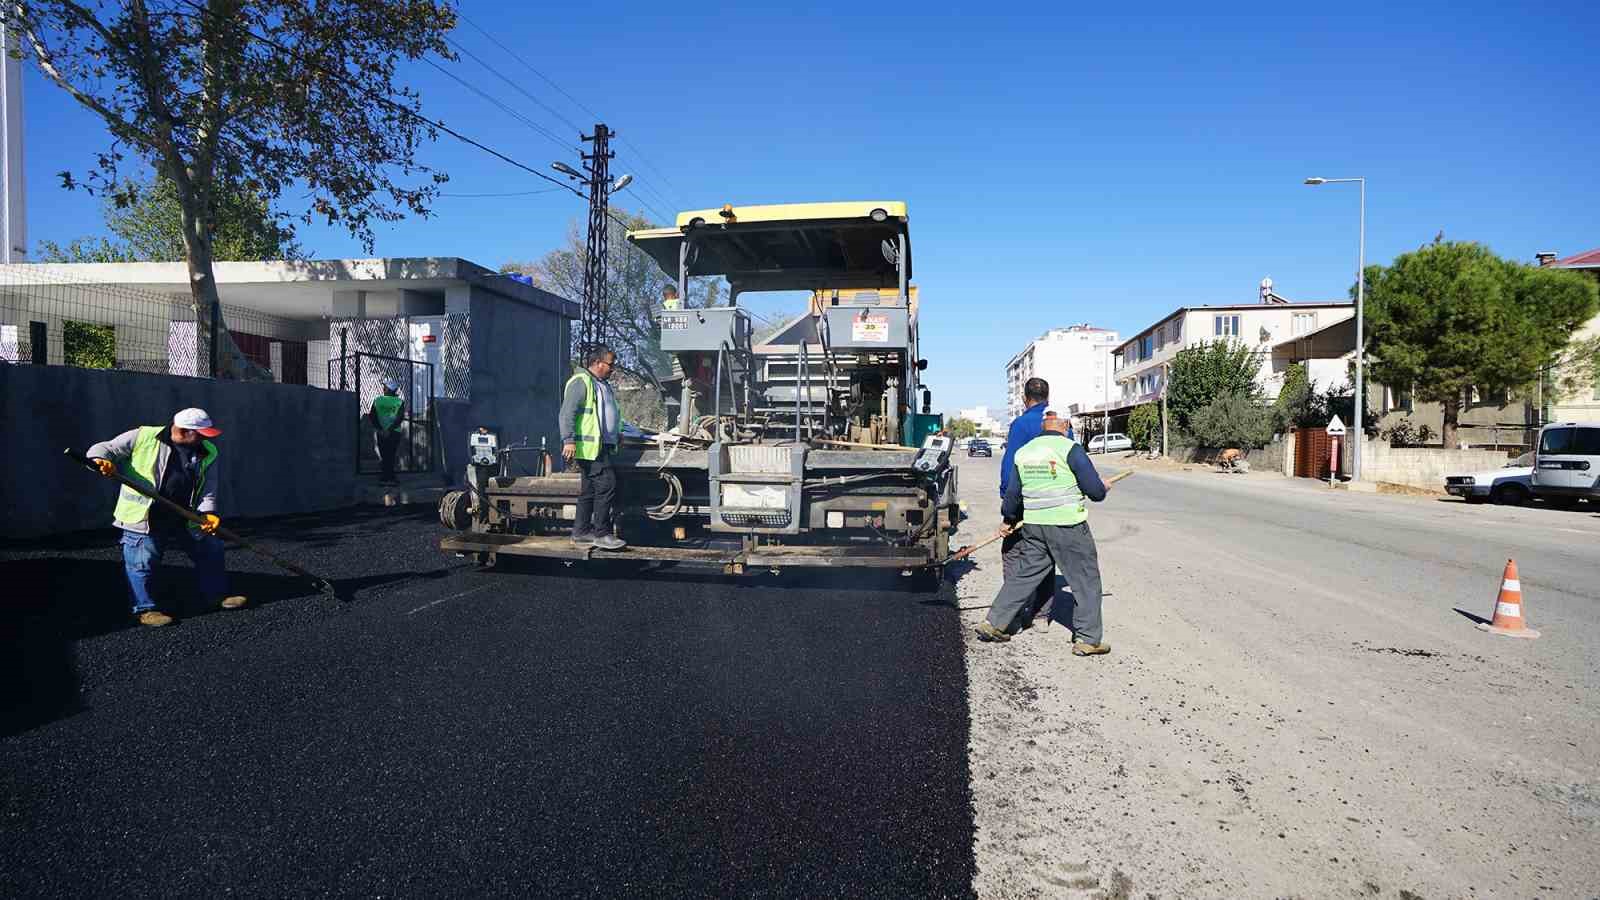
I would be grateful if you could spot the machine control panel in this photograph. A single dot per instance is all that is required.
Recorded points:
(934, 456)
(484, 447)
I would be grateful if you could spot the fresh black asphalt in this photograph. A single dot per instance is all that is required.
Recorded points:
(542, 730)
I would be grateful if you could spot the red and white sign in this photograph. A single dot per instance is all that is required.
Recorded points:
(870, 328)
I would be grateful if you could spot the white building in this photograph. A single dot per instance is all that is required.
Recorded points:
(1261, 326)
(984, 419)
(1072, 359)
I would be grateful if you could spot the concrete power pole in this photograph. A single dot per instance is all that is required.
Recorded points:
(13, 178)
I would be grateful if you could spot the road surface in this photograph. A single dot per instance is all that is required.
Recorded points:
(452, 731)
(1293, 704)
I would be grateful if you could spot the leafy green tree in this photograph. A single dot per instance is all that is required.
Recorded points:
(1144, 426)
(150, 229)
(1232, 420)
(1200, 374)
(961, 429)
(1452, 316)
(248, 98)
(1295, 399)
(89, 346)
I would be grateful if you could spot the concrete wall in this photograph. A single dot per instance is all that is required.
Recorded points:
(520, 361)
(1422, 467)
(284, 449)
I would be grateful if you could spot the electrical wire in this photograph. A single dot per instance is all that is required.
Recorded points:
(535, 126)
(516, 87)
(508, 193)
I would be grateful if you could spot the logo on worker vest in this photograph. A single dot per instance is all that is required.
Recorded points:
(1052, 468)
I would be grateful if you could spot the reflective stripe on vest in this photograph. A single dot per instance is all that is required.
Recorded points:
(586, 429)
(387, 409)
(1050, 492)
(134, 507)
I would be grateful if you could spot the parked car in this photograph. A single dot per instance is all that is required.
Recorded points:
(1510, 485)
(1105, 443)
(980, 447)
(1566, 463)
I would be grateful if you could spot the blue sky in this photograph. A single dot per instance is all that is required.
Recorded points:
(1060, 166)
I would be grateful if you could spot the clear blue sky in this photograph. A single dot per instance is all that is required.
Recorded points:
(1060, 167)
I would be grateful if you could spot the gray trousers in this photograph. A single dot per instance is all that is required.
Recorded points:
(1033, 560)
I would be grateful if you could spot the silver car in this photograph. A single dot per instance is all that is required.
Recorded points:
(1510, 485)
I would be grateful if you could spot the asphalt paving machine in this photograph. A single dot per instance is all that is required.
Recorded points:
(816, 447)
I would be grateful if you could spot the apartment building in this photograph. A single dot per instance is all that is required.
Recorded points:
(1075, 360)
(1585, 407)
(1261, 326)
(984, 418)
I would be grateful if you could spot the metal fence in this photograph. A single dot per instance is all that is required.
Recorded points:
(364, 374)
(51, 315)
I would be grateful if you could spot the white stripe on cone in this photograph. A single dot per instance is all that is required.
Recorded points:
(1511, 584)
(1508, 609)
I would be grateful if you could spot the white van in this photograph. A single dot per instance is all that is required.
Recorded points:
(1567, 461)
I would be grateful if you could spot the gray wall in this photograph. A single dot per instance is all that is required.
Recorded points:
(519, 365)
(284, 448)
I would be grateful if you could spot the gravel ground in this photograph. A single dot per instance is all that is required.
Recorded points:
(1292, 706)
(453, 731)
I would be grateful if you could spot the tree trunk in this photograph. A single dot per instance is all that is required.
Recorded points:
(1452, 414)
(203, 284)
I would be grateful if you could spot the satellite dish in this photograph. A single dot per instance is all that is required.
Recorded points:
(1266, 284)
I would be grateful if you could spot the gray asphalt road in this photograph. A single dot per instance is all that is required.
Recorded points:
(1294, 704)
(533, 732)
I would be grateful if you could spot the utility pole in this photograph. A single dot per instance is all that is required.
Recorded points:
(13, 187)
(596, 305)
(1166, 376)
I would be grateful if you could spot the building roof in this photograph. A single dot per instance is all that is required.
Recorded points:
(1319, 341)
(1588, 259)
(1227, 307)
(299, 288)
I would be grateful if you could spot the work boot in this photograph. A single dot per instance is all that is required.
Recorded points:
(234, 602)
(609, 542)
(990, 634)
(1084, 648)
(155, 618)
(582, 538)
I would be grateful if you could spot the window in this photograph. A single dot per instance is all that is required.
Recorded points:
(1404, 401)
(1586, 441)
(1304, 323)
(1227, 326)
(1556, 440)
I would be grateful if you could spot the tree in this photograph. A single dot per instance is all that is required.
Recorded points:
(150, 229)
(961, 429)
(1232, 420)
(1295, 400)
(1200, 374)
(1452, 316)
(1144, 426)
(248, 98)
(634, 286)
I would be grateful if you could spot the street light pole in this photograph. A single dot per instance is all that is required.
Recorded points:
(1359, 430)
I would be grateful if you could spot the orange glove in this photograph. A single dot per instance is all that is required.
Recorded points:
(211, 524)
(106, 467)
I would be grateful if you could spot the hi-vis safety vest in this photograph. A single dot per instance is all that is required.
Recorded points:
(1050, 492)
(134, 507)
(586, 430)
(386, 409)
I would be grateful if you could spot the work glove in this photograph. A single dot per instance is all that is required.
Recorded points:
(105, 466)
(211, 524)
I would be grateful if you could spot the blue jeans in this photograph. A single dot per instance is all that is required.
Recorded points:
(141, 553)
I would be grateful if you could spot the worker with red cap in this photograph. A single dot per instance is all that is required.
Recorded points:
(177, 461)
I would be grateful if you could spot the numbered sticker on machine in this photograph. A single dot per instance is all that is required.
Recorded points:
(870, 328)
(674, 323)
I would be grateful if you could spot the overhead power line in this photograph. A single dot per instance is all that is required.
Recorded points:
(536, 127)
(509, 193)
(515, 86)
(576, 102)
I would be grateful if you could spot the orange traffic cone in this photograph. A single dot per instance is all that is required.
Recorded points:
(1508, 608)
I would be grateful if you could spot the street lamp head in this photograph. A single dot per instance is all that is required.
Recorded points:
(1316, 181)
(622, 182)
(566, 170)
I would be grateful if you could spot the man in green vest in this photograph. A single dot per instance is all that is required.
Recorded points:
(1047, 491)
(387, 415)
(591, 429)
(180, 463)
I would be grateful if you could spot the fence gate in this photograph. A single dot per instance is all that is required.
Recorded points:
(1311, 448)
(364, 374)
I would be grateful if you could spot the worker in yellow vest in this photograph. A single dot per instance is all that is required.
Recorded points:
(387, 415)
(179, 462)
(1046, 493)
(591, 430)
